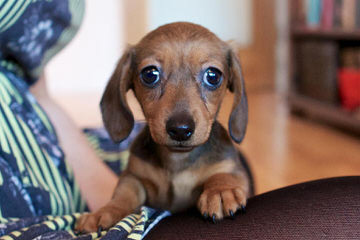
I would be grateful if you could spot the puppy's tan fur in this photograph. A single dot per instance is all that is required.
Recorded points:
(209, 173)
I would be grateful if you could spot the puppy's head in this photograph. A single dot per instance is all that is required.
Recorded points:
(179, 73)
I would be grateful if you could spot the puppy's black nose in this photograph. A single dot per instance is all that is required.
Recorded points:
(180, 127)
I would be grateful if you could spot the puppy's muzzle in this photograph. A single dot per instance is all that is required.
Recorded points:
(180, 127)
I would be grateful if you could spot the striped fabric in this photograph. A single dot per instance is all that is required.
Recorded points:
(33, 31)
(39, 197)
(134, 226)
(104, 147)
(10, 11)
(32, 163)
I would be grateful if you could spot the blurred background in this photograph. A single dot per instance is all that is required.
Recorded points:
(301, 62)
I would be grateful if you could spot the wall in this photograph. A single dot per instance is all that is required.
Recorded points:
(145, 15)
(87, 62)
(229, 19)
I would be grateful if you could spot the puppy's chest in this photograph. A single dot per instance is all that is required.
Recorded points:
(173, 192)
(182, 192)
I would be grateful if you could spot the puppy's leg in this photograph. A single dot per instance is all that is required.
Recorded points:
(223, 195)
(129, 195)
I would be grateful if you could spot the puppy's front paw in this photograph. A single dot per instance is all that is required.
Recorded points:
(104, 218)
(217, 204)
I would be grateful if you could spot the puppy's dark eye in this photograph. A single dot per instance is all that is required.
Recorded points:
(212, 78)
(150, 76)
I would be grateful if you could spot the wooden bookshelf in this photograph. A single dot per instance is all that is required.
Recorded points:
(331, 34)
(326, 111)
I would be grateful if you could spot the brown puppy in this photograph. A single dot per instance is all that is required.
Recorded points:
(183, 157)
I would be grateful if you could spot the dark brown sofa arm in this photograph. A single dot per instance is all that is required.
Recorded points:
(321, 209)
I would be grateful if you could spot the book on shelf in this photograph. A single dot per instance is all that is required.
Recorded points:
(327, 14)
(316, 70)
(357, 15)
(337, 12)
(313, 13)
(348, 14)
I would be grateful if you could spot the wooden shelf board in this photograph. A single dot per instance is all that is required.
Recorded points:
(323, 111)
(331, 34)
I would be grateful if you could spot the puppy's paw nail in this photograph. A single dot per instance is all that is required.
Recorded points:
(231, 214)
(214, 218)
(205, 215)
(243, 210)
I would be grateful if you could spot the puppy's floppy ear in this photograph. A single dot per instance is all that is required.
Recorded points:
(116, 114)
(239, 114)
